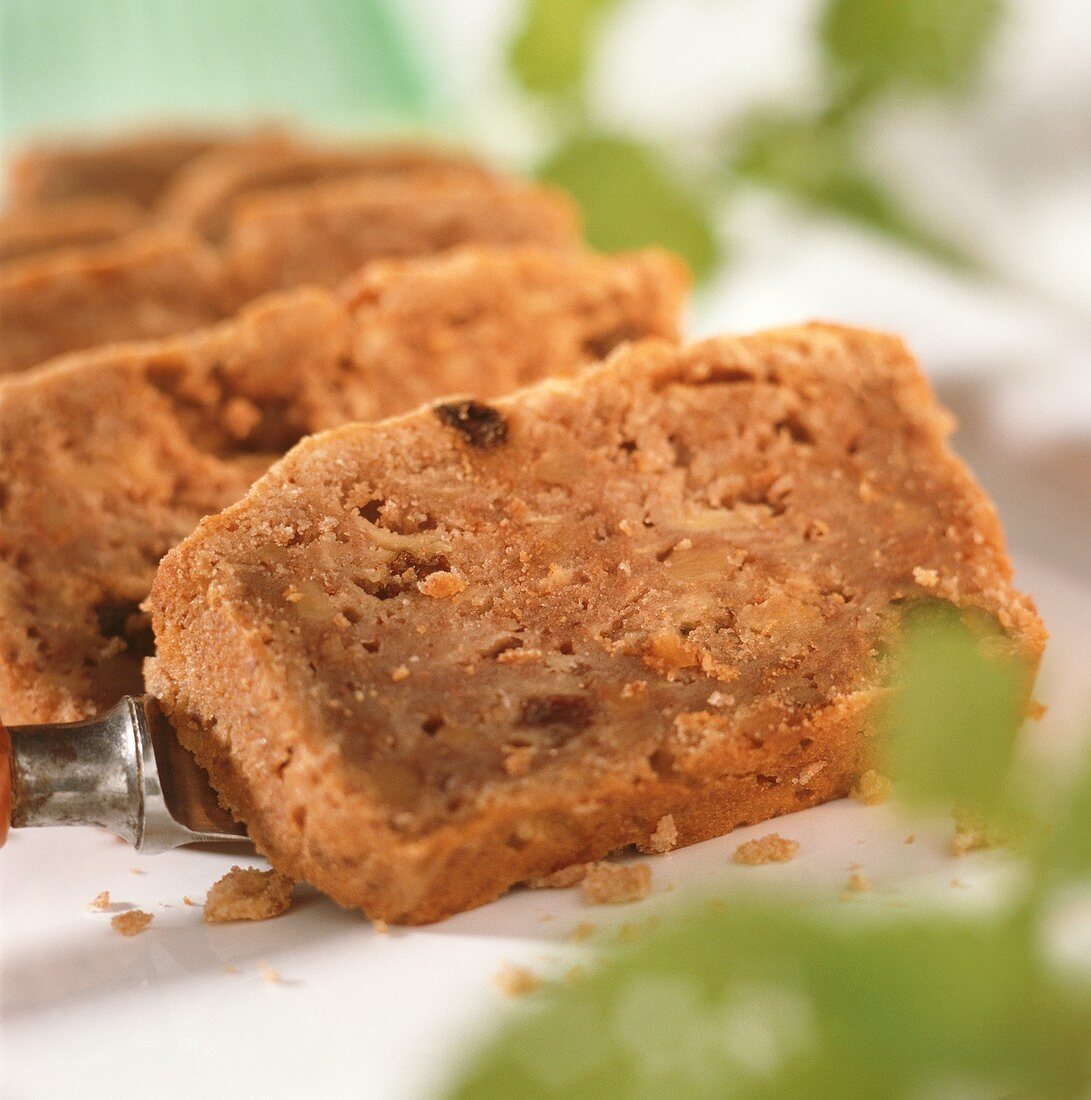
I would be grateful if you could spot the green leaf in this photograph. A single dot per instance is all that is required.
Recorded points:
(815, 160)
(922, 45)
(764, 1000)
(1067, 855)
(950, 728)
(551, 50)
(630, 199)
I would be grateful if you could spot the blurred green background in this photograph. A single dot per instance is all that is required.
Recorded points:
(73, 66)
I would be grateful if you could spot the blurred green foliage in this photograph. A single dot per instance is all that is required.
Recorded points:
(760, 1000)
(951, 726)
(1065, 856)
(871, 50)
(550, 55)
(816, 161)
(770, 998)
(629, 198)
(917, 45)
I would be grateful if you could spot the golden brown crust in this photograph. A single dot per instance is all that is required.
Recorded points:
(678, 569)
(109, 458)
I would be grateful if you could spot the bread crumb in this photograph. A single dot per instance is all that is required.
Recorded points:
(516, 981)
(616, 883)
(668, 652)
(926, 578)
(269, 973)
(518, 760)
(957, 883)
(442, 584)
(187, 900)
(380, 926)
(240, 417)
(582, 932)
(137, 871)
(229, 969)
(132, 922)
(719, 699)
(665, 836)
(810, 771)
(858, 883)
(248, 894)
(400, 673)
(973, 834)
(872, 788)
(633, 688)
(911, 839)
(766, 849)
(99, 903)
(562, 879)
(630, 933)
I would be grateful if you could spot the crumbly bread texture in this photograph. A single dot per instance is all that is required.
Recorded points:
(203, 194)
(323, 233)
(31, 230)
(167, 281)
(72, 195)
(675, 575)
(142, 286)
(248, 894)
(109, 458)
(137, 167)
(664, 838)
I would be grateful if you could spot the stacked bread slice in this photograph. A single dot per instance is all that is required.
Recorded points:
(241, 220)
(543, 585)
